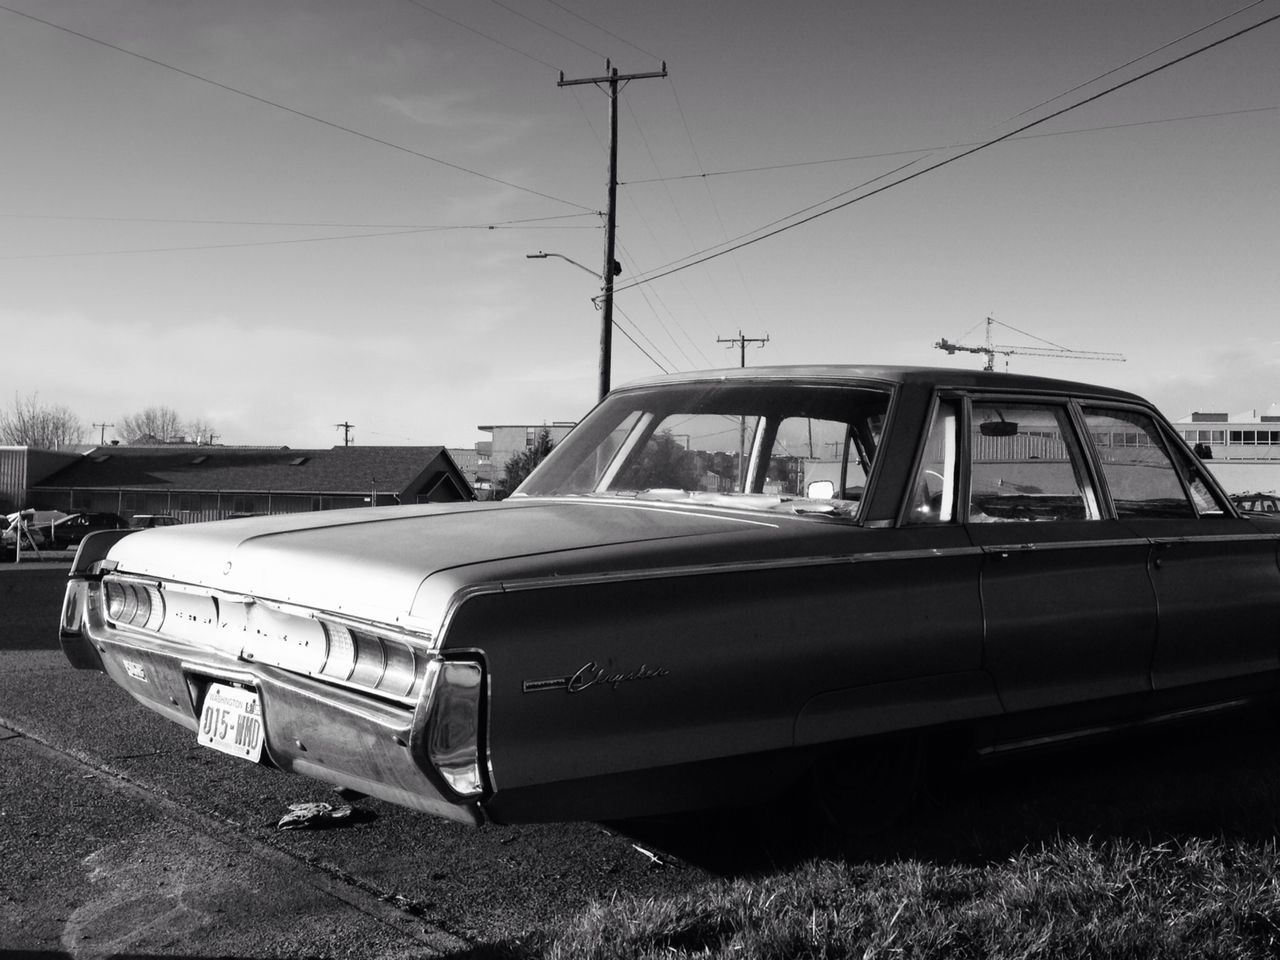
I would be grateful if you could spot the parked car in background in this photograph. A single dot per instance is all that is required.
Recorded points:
(144, 521)
(19, 530)
(1257, 502)
(70, 530)
(718, 588)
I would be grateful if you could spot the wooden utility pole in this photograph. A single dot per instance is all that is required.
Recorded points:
(742, 342)
(611, 266)
(346, 429)
(102, 435)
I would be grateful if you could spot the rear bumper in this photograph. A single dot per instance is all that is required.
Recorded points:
(310, 727)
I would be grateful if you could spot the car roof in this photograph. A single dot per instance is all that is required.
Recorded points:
(928, 376)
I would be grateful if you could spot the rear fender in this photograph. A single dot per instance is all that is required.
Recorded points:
(86, 572)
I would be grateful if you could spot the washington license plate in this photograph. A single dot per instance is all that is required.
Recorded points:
(231, 721)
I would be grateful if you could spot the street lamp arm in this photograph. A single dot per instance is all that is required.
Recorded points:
(542, 256)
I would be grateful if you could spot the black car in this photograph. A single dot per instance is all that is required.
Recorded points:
(720, 587)
(69, 531)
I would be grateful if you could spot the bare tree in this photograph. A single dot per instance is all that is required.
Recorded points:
(200, 430)
(32, 424)
(153, 424)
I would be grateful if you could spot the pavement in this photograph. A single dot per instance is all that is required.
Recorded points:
(98, 867)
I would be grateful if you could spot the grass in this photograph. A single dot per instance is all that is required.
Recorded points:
(1162, 849)
(1069, 899)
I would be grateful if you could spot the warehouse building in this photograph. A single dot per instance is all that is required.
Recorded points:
(195, 483)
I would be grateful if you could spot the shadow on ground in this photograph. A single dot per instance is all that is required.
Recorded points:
(1215, 779)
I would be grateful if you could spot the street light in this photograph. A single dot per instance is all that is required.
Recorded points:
(606, 323)
(542, 256)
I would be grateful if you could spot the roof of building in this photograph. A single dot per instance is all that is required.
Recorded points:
(352, 469)
(1270, 415)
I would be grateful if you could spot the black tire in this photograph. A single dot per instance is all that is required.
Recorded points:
(864, 788)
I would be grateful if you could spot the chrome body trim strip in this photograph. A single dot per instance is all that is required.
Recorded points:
(1172, 716)
(1007, 548)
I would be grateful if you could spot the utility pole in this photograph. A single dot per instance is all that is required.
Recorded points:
(611, 266)
(346, 429)
(742, 342)
(102, 434)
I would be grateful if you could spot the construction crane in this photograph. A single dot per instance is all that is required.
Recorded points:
(1053, 350)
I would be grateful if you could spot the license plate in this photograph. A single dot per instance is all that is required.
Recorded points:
(231, 721)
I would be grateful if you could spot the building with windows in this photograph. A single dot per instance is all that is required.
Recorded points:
(196, 483)
(1244, 447)
(507, 440)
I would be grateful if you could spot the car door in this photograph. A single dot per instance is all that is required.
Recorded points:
(1070, 614)
(1215, 576)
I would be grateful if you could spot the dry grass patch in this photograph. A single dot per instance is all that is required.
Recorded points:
(1070, 899)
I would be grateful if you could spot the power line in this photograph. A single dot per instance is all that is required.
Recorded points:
(949, 160)
(597, 26)
(543, 26)
(288, 223)
(296, 113)
(724, 231)
(258, 243)
(703, 175)
(1129, 63)
(743, 236)
(470, 29)
(675, 208)
(623, 330)
(650, 294)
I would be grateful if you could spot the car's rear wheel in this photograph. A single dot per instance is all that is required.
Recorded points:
(863, 788)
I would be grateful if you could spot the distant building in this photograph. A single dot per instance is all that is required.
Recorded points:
(474, 464)
(1245, 447)
(20, 467)
(507, 440)
(212, 482)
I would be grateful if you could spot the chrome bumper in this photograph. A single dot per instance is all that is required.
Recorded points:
(311, 728)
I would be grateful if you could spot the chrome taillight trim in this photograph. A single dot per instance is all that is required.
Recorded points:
(395, 664)
(453, 724)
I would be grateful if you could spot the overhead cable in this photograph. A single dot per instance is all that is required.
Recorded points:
(470, 29)
(597, 26)
(269, 243)
(705, 175)
(543, 26)
(298, 113)
(700, 259)
(298, 223)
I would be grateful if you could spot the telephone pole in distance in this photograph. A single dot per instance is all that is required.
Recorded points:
(611, 266)
(742, 342)
(102, 434)
(346, 429)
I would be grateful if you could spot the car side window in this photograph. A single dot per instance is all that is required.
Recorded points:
(814, 458)
(1143, 479)
(933, 493)
(1026, 465)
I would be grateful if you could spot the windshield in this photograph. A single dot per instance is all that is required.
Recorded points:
(763, 444)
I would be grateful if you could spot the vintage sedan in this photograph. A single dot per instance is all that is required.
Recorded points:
(719, 587)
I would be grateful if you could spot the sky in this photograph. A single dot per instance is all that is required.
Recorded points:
(276, 217)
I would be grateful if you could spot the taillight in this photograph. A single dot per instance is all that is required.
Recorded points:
(372, 662)
(453, 724)
(133, 604)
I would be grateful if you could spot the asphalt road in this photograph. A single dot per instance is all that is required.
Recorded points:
(118, 833)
